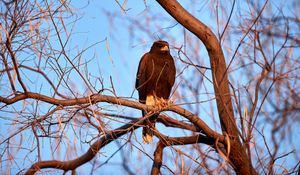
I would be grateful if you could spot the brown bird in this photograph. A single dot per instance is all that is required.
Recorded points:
(154, 81)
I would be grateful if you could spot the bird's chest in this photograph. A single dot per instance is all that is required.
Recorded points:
(160, 65)
(159, 71)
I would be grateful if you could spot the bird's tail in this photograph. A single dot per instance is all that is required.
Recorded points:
(148, 128)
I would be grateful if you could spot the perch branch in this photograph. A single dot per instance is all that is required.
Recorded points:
(240, 160)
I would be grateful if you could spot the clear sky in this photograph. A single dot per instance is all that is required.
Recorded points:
(115, 54)
(118, 54)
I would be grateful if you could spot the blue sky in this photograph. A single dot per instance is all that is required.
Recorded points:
(121, 61)
(117, 55)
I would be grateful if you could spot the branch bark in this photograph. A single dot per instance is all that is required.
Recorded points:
(89, 155)
(210, 135)
(158, 155)
(166, 141)
(238, 157)
(96, 98)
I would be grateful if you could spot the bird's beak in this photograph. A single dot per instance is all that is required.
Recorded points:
(165, 48)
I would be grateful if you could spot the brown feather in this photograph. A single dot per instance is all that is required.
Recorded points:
(155, 76)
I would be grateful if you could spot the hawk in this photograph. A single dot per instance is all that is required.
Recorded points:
(154, 81)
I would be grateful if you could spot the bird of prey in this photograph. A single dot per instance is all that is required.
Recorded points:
(154, 81)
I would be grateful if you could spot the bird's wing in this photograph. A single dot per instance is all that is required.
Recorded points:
(172, 73)
(141, 73)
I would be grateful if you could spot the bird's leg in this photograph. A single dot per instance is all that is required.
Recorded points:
(150, 100)
(161, 103)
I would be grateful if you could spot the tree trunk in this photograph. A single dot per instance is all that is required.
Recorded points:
(237, 156)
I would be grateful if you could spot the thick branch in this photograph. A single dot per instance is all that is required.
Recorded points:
(119, 101)
(158, 155)
(170, 141)
(217, 60)
(112, 135)
(170, 122)
(89, 155)
(197, 122)
(238, 156)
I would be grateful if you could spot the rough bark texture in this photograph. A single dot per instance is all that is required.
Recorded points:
(210, 135)
(157, 159)
(238, 157)
(89, 155)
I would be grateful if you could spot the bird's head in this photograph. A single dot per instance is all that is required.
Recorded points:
(160, 46)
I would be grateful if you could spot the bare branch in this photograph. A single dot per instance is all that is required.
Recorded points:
(90, 154)
(238, 156)
(115, 100)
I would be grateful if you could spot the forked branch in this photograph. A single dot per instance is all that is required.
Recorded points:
(238, 157)
(199, 125)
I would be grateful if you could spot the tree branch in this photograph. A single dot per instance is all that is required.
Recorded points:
(171, 141)
(157, 162)
(119, 101)
(14, 60)
(238, 156)
(90, 154)
(170, 122)
(112, 135)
